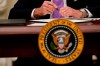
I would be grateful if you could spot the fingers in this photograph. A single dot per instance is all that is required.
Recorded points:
(70, 12)
(51, 3)
(48, 7)
(66, 11)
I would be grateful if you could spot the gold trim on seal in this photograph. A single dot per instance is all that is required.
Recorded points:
(69, 58)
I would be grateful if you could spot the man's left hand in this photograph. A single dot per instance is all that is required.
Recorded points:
(70, 12)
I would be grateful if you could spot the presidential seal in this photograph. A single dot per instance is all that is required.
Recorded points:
(61, 41)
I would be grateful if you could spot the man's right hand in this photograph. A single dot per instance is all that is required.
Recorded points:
(46, 8)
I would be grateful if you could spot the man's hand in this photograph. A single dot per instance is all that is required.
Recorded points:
(70, 12)
(46, 8)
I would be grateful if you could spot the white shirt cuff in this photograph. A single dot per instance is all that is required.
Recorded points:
(32, 16)
(89, 13)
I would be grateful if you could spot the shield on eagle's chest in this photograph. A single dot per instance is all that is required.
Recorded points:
(61, 45)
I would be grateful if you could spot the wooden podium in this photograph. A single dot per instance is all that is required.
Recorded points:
(22, 41)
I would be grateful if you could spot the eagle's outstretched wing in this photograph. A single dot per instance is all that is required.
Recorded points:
(66, 39)
(55, 39)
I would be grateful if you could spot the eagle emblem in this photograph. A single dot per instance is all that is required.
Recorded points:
(61, 40)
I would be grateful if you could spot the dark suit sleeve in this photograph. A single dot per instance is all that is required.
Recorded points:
(94, 7)
(95, 11)
(23, 9)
